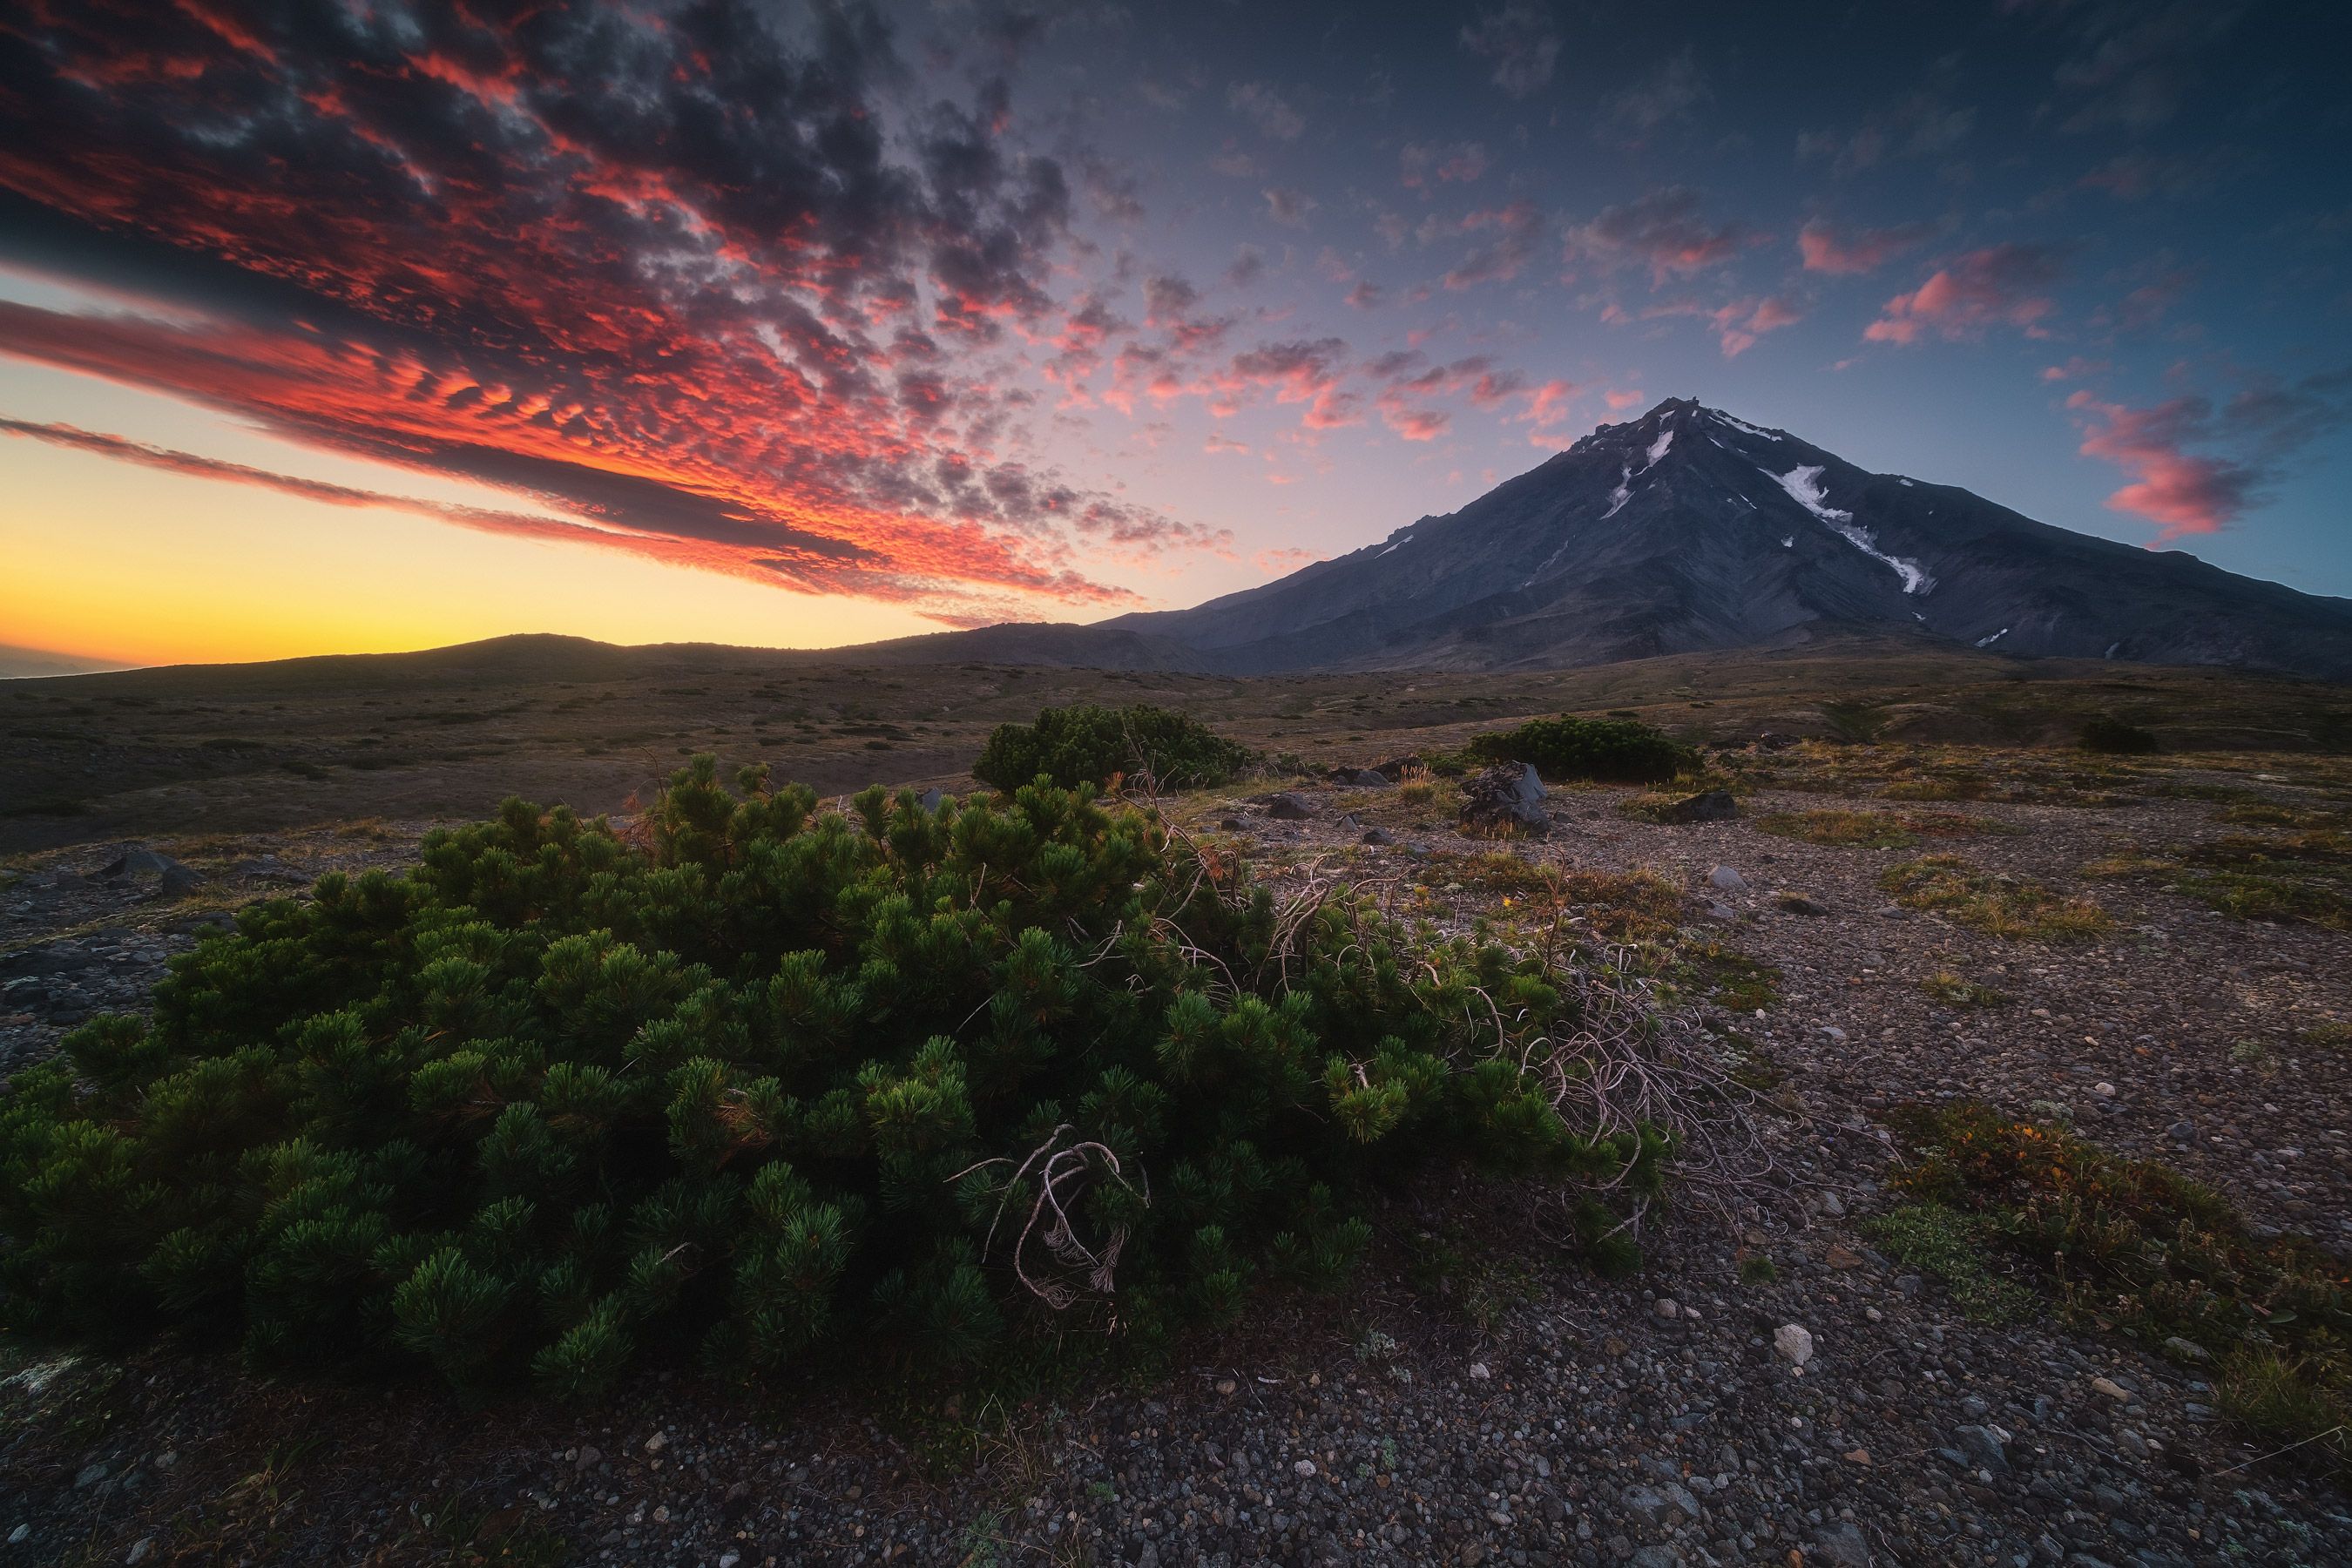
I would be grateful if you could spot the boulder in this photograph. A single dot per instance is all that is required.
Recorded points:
(1724, 879)
(1798, 904)
(1396, 768)
(1707, 806)
(1505, 800)
(1289, 806)
(1361, 778)
(1379, 835)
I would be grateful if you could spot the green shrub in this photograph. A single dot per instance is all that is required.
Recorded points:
(1620, 751)
(2116, 738)
(769, 1079)
(1088, 745)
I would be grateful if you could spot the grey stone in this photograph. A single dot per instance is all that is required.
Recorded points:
(1844, 1546)
(1983, 1449)
(1724, 879)
(1289, 806)
(1507, 799)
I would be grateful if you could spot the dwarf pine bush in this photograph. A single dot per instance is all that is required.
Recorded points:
(1089, 744)
(766, 1078)
(1620, 751)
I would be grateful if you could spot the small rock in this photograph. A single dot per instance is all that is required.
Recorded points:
(1841, 1256)
(1233, 825)
(2187, 1350)
(1834, 1205)
(141, 1551)
(90, 1476)
(1665, 1307)
(1794, 1343)
(1858, 1457)
(2182, 1131)
(1378, 836)
(1724, 879)
(1224, 1386)
(1480, 1372)
(1507, 799)
(1289, 806)
(1798, 904)
(1844, 1546)
(16, 1537)
(2103, 1090)
(1304, 1467)
(2111, 1388)
(656, 1443)
(1983, 1447)
(590, 1457)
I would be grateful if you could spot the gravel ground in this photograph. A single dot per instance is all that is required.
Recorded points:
(1519, 1411)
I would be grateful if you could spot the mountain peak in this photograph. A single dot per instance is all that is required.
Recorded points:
(1691, 528)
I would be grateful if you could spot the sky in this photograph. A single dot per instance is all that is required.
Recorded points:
(330, 327)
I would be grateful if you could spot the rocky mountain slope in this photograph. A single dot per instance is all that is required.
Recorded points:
(1690, 529)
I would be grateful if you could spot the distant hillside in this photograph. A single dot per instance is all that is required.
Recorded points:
(28, 663)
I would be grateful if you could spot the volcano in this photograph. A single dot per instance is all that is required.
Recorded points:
(1690, 529)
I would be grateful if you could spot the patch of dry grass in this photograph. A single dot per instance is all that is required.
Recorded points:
(1997, 905)
(1845, 829)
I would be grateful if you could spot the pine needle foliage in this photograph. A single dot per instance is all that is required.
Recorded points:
(783, 1081)
(1617, 750)
(1088, 743)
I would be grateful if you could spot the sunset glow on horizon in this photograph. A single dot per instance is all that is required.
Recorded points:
(341, 329)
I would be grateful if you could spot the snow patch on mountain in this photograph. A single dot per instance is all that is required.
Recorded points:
(1658, 450)
(1742, 425)
(1803, 484)
(1987, 642)
(1622, 494)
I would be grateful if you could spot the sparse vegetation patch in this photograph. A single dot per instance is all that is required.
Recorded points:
(1998, 905)
(2130, 1245)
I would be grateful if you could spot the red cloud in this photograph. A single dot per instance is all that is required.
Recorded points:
(1857, 251)
(2184, 491)
(2002, 285)
(531, 258)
